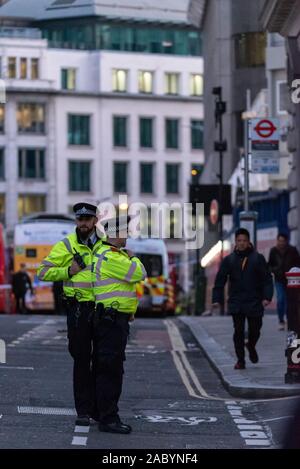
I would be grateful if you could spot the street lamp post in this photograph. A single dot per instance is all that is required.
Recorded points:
(220, 146)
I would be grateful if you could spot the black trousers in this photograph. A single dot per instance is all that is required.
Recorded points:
(80, 334)
(254, 327)
(20, 304)
(110, 342)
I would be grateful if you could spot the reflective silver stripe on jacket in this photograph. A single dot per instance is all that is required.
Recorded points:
(48, 263)
(107, 281)
(67, 244)
(130, 272)
(144, 272)
(113, 294)
(77, 284)
(43, 272)
(99, 262)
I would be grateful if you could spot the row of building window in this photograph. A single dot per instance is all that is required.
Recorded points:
(31, 165)
(146, 82)
(27, 204)
(31, 120)
(20, 67)
(137, 38)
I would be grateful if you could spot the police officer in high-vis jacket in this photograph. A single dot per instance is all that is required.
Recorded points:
(116, 272)
(71, 260)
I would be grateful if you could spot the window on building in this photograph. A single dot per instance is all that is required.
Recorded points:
(282, 97)
(31, 163)
(172, 137)
(2, 164)
(172, 178)
(196, 134)
(23, 68)
(35, 72)
(2, 208)
(196, 171)
(79, 176)
(12, 67)
(172, 83)
(31, 118)
(120, 177)
(146, 178)
(119, 80)
(146, 132)
(78, 129)
(120, 131)
(29, 204)
(145, 82)
(68, 78)
(196, 85)
(250, 49)
(2, 118)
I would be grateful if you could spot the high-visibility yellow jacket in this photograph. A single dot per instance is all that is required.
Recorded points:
(55, 267)
(115, 276)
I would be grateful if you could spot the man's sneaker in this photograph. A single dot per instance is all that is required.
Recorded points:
(281, 326)
(239, 365)
(82, 421)
(252, 353)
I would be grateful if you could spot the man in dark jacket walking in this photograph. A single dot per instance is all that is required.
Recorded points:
(250, 291)
(282, 258)
(21, 282)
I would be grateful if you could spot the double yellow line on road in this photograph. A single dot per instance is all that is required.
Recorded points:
(183, 366)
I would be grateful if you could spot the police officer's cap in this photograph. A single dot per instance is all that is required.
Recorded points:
(83, 209)
(114, 225)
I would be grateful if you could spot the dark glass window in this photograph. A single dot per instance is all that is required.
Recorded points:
(79, 176)
(78, 129)
(31, 163)
(31, 118)
(141, 38)
(146, 132)
(250, 49)
(28, 204)
(2, 164)
(120, 177)
(68, 78)
(172, 137)
(120, 131)
(172, 178)
(196, 134)
(146, 179)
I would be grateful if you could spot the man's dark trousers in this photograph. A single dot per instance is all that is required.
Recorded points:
(80, 335)
(254, 327)
(110, 342)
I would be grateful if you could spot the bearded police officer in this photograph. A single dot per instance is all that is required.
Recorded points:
(115, 275)
(70, 260)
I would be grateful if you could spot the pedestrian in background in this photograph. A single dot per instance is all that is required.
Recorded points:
(250, 291)
(21, 282)
(282, 258)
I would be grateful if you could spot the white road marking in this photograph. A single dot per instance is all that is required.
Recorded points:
(7, 367)
(189, 421)
(81, 429)
(277, 418)
(252, 434)
(79, 440)
(46, 410)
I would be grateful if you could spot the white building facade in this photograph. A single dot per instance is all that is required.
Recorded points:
(89, 123)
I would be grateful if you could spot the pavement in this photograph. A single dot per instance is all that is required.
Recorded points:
(262, 380)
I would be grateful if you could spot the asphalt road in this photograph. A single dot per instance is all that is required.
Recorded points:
(171, 396)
